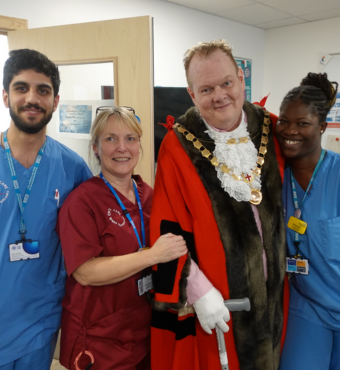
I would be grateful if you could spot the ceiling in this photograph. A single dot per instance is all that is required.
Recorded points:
(267, 14)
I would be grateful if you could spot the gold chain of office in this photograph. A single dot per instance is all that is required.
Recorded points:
(255, 194)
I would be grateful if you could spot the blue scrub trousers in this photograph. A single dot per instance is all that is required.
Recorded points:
(309, 346)
(40, 359)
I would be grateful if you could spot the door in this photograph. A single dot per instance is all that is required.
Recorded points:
(125, 42)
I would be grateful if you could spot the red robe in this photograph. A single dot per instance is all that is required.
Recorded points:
(223, 239)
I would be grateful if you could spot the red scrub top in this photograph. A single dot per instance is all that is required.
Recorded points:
(111, 321)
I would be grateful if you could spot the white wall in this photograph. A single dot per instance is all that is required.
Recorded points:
(4, 114)
(176, 28)
(292, 52)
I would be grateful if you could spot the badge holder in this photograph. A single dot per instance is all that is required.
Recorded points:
(297, 225)
(24, 249)
(145, 283)
(297, 265)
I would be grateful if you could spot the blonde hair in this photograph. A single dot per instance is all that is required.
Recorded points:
(123, 116)
(204, 49)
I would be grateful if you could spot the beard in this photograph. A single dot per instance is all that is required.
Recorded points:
(30, 128)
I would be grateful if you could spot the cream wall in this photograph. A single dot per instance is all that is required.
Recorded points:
(291, 52)
(175, 29)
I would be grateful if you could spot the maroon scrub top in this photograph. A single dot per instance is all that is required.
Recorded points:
(111, 321)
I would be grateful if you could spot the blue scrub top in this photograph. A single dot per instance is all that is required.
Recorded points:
(32, 290)
(316, 297)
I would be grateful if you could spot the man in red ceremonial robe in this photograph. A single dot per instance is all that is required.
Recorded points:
(218, 185)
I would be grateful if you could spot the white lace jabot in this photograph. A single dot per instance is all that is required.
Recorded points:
(240, 158)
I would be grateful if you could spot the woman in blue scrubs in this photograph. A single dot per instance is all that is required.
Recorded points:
(311, 195)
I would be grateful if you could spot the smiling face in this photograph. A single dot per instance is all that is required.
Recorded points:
(217, 89)
(31, 101)
(299, 131)
(118, 149)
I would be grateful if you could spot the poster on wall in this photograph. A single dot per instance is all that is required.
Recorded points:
(333, 118)
(75, 118)
(245, 64)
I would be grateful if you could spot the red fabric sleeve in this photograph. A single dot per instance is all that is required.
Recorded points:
(168, 204)
(78, 232)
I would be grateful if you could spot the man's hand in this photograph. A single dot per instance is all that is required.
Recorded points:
(211, 311)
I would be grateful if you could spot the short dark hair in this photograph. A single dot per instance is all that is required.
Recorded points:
(23, 59)
(317, 92)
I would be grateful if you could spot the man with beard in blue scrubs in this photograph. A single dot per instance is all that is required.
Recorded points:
(36, 175)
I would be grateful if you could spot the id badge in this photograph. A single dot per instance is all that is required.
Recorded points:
(297, 266)
(24, 250)
(297, 225)
(145, 284)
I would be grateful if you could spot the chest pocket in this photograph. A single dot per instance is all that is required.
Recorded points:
(53, 206)
(330, 233)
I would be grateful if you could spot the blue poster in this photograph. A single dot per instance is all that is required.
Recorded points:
(75, 118)
(333, 117)
(245, 64)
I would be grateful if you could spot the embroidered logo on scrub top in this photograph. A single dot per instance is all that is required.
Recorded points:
(116, 217)
(4, 192)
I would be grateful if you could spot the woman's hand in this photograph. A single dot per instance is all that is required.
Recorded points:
(168, 247)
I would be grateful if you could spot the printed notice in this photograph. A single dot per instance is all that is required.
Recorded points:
(75, 119)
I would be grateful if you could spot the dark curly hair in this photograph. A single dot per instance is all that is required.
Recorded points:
(317, 92)
(23, 59)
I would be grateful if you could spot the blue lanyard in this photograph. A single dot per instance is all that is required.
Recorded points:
(295, 198)
(125, 211)
(22, 203)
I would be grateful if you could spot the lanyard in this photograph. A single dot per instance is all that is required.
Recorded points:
(22, 203)
(295, 198)
(125, 211)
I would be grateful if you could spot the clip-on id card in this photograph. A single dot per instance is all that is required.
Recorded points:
(297, 266)
(144, 284)
(24, 250)
(297, 225)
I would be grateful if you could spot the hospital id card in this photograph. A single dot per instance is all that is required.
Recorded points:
(297, 266)
(23, 250)
(145, 284)
(297, 225)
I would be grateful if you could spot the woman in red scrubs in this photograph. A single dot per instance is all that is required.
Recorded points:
(104, 230)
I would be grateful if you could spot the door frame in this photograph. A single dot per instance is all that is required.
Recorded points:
(12, 24)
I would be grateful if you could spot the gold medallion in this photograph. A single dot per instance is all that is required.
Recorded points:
(248, 178)
(255, 196)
